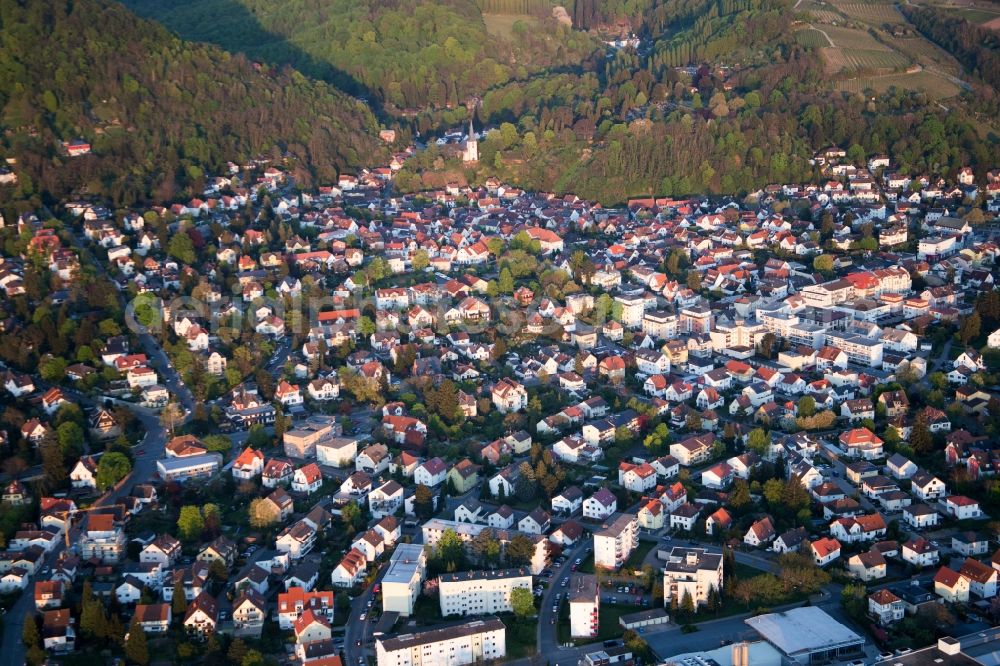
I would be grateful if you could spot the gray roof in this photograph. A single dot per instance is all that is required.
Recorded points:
(441, 633)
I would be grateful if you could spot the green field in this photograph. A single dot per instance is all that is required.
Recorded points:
(502, 25)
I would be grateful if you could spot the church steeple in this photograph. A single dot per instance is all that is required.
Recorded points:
(471, 152)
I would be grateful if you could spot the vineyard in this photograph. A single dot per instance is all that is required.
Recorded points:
(862, 60)
(933, 85)
(876, 14)
(811, 38)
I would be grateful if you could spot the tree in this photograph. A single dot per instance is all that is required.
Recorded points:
(759, 441)
(823, 263)
(506, 282)
(920, 435)
(178, 605)
(969, 329)
(420, 260)
(135, 647)
(687, 604)
(53, 369)
(740, 495)
(181, 248)
(450, 551)
(520, 551)
(773, 491)
(522, 601)
(29, 633)
(694, 280)
(262, 513)
(807, 406)
(238, 650)
(112, 468)
(350, 514)
(190, 523)
(170, 416)
(70, 436)
(423, 501)
(766, 345)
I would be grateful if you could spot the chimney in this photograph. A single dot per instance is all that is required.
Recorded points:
(741, 654)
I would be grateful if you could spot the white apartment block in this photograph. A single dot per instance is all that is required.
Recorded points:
(694, 571)
(455, 645)
(859, 349)
(584, 606)
(401, 583)
(480, 592)
(633, 310)
(661, 325)
(614, 542)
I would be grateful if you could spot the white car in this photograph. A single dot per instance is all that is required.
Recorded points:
(363, 617)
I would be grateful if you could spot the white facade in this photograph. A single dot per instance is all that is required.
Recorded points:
(692, 571)
(614, 543)
(480, 592)
(471, 642)
(401, 584)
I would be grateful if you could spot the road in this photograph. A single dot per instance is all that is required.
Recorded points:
(547, 640)
(357, 629)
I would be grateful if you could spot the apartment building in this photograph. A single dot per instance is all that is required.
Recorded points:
(859, 349)
(401, 583)
(480, 592)
(692, 571)
(616, 539)
(300, 441)
(454, 645)
(584, 606)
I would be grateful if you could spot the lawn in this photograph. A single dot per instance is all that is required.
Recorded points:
(521, 636)
(502, 25)
(634, 562)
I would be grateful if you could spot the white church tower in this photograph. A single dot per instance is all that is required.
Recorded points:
(471, 152)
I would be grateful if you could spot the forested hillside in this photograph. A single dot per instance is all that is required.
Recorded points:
(976, 47)
(407, 54)
(755, 116)
(157, 110)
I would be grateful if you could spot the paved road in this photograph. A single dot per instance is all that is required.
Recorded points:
(547, 639)
(357, 630)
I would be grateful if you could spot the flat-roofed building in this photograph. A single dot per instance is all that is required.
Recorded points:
(301, 440)
(808, 635)
(616, 539)
(453, 645)
(480, 592)
(401, 583)
(190, 467)
(693, 571)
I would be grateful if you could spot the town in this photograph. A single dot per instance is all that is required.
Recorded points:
(479, 424)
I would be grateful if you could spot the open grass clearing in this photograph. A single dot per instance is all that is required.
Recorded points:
(502, 25)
